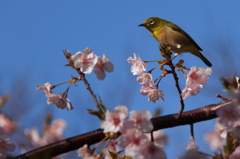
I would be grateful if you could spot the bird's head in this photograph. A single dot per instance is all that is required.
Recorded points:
(152, 24)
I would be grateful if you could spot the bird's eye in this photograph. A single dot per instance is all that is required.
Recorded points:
(151, 21)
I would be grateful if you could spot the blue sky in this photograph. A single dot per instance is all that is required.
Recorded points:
(34, 33)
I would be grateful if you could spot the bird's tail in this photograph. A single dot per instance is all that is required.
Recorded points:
(204, 59)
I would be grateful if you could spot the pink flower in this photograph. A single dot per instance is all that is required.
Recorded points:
(231, 82)
(60, 100)
(148, 89)
(235, 95)
(235, 154)
(51, 133)
(160, 139)
(85, 61)
(110, 147)
(34, 137)
(222, 130)
(131, 141)
(5, 146)
(85, 153)
(138, 66)
(215, 140)
(7, 126)
(114, 120)
(54, 132)
(46, 88)
(192, 151)
(144, 78)
(151, 151)
(236, 131)
(191, 144)
(229, 116)
(103, 65)
(187, 91)
(139, 120)
(195, 81)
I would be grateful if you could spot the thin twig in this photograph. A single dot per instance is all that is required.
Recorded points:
(178, 88)
(90, 90)
(192, 130)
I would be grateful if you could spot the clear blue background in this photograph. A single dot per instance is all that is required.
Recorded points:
(34, 33)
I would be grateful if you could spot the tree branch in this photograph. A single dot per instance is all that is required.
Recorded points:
(178, 87)
(190, 117)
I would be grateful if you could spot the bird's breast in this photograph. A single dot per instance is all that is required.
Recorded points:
(177, 42)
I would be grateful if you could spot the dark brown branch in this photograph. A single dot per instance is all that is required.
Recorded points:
(90, 138)
(178, 87)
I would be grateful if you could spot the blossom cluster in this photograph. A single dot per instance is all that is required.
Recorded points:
(148, 88)
(87, 60)
(135, 137)
(60, 100)
(196, 78)
(51, 133)
(218, 140)
(230, 114)
(5, 146)
(228, 123)
(7, 126)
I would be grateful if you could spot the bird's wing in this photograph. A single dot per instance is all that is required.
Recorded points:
(178, 29)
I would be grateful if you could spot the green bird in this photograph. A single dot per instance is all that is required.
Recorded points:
(170, 35)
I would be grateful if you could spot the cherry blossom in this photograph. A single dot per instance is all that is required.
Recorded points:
(160, 139)
(192, 151)
(191, 144)
(5, 146)
(51, 133)
(235, 96)
(139, 120)
(215, 141)
(54, 132)
(222, 130)
(229, 116)
(60, 100)
(236, 131)
(148, 89)
(235, 154)
(144, 78)
(34, 137)
(231, 82)
(85, 153)
(103, 65)
(110, 147)
(138, 66)
(114, 120)
(85, 60)
(151, 151)
(7, 126)
(132, 141)
(46, 88)
(196, 78)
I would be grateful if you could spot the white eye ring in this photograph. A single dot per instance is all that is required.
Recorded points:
(151, 21)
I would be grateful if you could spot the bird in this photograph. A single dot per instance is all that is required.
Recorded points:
(170, 35)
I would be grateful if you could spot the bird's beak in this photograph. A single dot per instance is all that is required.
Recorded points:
(143, 24)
